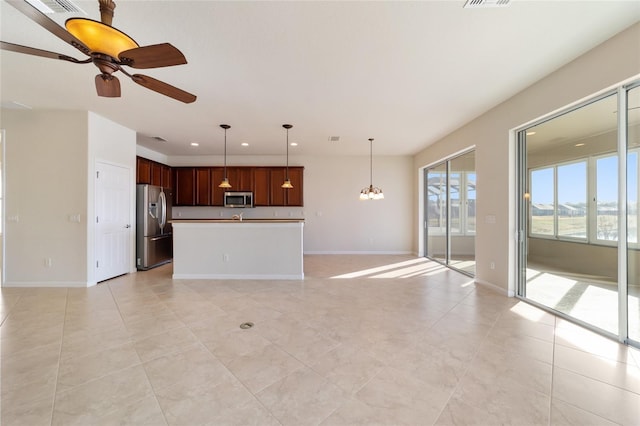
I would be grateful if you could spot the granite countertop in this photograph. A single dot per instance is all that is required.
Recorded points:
(227, 220)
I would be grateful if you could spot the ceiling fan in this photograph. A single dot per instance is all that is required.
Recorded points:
(108, 48)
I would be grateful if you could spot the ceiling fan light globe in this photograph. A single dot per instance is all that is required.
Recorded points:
(99, 37)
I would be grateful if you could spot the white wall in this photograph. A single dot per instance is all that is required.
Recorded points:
(50, 165)
(336, 221)
(109, 142)
(616, 60)
(46, 181)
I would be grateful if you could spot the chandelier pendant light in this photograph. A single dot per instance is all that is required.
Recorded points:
(225, 181)
(287, 182)
(370, 192)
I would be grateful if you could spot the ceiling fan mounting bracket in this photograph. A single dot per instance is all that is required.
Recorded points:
(105, 63)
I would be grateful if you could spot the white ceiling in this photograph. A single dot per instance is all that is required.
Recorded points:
(404, 73)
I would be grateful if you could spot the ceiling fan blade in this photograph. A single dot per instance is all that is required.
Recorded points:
(49, 24)
(39, 52)
(107, 86)
(163, 88)
(155, 56)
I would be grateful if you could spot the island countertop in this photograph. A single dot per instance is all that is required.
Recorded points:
(226, 220)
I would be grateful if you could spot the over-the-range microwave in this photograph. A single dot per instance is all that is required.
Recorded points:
(238, 199)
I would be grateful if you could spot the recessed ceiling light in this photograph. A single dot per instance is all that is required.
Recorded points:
(531, 133)
(294, 144)
(244, 144)
(195, 144)
(579, 144)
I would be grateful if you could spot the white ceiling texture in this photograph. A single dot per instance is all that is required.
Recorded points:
(404, 73)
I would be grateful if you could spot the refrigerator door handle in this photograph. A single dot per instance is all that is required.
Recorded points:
(162, 217)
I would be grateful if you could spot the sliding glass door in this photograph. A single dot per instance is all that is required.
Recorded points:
(450, 212)
(633, 214)
(578, 220)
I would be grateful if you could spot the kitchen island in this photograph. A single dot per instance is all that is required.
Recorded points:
(238, 249)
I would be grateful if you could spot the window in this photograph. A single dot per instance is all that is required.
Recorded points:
(450, 212)
(607, 198)
(571, 206)
(542, 202)
(560, 206)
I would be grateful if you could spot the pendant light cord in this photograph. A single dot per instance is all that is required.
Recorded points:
(370, 163)
(287, 154)
(225, 153)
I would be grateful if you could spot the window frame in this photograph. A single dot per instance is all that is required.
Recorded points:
(591, 202)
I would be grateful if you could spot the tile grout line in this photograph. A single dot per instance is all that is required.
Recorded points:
(553, 366)
(55, 388)
(468, 366)
(255, 397)
(153, 392)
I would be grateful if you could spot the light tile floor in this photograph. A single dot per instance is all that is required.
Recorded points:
(373, 340)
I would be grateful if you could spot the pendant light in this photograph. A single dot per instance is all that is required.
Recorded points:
(370, 192)
(225, 181)
(287, 181)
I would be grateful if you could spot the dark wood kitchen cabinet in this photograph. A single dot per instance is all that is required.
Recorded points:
(203, 186)
(143, 170)
(217, 193)
(156, 174)
(152, 172)
(240, 178)
(184, 193)
(294, 196)
(286, 197)
(166, 180)
(198, 186)
(261, 186)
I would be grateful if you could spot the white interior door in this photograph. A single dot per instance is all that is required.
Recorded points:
(113, 220)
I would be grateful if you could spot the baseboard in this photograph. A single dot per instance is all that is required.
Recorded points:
(360, 252)
(495, 288)
(47, 284)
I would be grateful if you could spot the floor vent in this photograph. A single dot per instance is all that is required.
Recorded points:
(470, 4)
(56, 6)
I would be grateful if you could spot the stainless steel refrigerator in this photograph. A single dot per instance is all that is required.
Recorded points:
(154, 242)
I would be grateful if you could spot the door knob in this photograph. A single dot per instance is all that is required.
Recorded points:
(127, 226)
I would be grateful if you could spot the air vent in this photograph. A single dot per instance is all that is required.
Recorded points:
(334, 138)
(471, 4)
(56, 6)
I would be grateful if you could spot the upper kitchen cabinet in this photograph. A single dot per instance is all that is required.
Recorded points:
(143, 170)
(261, 186)
(286, 197)
(184, 191)
(294, 195)
(240, 178)
(154, 173)
(198, 186)
(203, 186)
(217, 193)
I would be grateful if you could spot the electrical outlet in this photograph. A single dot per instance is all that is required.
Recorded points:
(48, 262)
(492, 265)
(225, 257)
